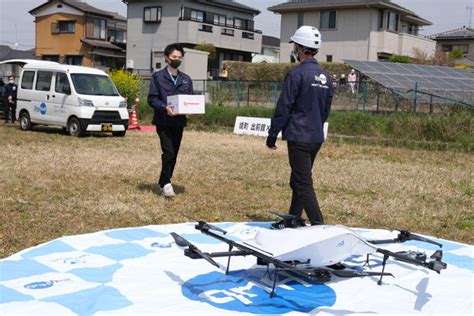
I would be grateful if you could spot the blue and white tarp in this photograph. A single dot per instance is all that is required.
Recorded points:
(138, 271)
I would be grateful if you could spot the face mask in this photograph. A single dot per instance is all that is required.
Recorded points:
(175, 63)
(295, 56)
(11, 81)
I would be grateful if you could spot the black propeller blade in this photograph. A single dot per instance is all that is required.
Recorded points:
(406, 235)
(194, 251)
(203, 225)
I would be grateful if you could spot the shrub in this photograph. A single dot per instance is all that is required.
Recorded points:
(274, 71)
(128, 84)
(400, 59)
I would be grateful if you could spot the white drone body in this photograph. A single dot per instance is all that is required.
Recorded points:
(318, 246)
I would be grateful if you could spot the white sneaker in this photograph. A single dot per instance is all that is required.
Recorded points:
(168, 191)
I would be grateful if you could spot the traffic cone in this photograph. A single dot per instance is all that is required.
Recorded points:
(133, 121)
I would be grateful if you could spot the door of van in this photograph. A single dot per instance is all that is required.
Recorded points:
(42, 98)
(61, 98)
(26, 93)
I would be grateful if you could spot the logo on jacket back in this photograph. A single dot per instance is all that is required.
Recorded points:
(321, 81)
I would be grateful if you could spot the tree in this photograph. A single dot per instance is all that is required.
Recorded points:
(456, 53)
(207, 47)
(128, 84)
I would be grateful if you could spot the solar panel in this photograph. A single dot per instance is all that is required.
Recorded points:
(445, 82)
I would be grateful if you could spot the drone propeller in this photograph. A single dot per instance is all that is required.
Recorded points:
(406, 235)
(203, 225)
(192, 251)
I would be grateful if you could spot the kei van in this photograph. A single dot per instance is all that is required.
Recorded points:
(80, 99)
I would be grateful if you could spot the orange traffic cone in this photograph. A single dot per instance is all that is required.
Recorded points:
(133, 121)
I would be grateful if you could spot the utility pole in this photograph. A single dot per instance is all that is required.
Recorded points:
(469, 8)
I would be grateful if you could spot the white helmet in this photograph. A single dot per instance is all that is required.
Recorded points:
(307, 36)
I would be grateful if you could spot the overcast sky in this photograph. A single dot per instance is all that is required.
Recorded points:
(17, 26)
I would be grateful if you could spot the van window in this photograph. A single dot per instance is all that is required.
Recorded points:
(43, 82)
(27, 80)
(89, 84)
(62, 83)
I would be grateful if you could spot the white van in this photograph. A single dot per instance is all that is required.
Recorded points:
(77, 98)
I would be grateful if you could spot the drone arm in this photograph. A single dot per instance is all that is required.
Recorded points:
(405, 236)
(435, 265)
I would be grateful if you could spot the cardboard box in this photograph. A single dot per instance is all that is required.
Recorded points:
(187, 103)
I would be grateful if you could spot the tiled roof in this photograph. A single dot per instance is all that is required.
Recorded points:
(84, 7)
(460, 33)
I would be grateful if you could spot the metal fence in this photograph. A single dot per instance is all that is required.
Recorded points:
(367, 96)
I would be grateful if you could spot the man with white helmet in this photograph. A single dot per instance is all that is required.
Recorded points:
(301, 111)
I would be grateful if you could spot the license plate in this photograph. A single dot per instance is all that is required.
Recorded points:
(106, 127)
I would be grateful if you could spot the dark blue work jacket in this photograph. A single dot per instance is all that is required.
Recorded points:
(304, 104)
(162, 86)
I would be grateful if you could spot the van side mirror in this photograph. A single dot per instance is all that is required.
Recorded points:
(66, 90)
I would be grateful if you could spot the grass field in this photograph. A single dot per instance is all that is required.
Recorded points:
(53, 185)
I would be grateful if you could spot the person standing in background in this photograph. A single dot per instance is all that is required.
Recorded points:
(10, 100)
(352, 78)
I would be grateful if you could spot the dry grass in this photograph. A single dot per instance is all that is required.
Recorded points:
(53, 185)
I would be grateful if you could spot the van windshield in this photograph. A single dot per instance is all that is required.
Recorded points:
(89, 84)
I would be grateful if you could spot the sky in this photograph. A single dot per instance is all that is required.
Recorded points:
(17, 25)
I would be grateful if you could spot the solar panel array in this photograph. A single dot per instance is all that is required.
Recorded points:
(445, 83)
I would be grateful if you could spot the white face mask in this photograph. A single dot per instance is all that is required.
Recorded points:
(11, 81)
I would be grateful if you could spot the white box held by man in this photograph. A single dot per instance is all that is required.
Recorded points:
(187, 103)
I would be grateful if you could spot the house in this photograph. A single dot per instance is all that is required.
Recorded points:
(366, 30)
(76, 33)
(270, 50)
(153, 24)
(462, 38)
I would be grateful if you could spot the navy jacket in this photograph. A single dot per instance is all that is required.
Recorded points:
(161, 86)
(304, 104)
(10, 91)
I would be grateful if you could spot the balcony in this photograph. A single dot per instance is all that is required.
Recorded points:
(403, 43)
(194, 32)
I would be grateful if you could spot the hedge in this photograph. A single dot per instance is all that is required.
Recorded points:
(274, 71)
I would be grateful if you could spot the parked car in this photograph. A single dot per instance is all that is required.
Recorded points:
(80, 99)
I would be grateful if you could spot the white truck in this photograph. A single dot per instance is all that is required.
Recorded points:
(77, 98)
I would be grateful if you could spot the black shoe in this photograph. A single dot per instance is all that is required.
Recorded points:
(288, 223)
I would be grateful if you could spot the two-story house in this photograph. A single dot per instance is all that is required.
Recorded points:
(153, 24)
(368, 30)
(76, 33)
(460, 38)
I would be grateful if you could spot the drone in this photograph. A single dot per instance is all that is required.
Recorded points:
(313, 252)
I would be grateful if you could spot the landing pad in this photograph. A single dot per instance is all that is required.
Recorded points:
(136, 271)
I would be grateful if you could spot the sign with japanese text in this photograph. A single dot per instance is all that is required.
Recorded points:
(256, 126)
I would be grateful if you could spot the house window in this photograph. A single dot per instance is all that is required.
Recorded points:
(116, 36)
(239, 23)
(99, 27)
(247, 35)
(219, 19)
(197, 15)
(63, 27)
(300, 19)
(381, 18)
(230, 22)
(50, 58)
(450, 47)
(43, 83)
(328, 19)
(228, 32)
(205, 28)
(27, 80)
(74, 60)
(329, 58)
(152, 14)
(392, 21)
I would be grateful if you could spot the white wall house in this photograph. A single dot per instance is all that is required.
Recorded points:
(368, 30)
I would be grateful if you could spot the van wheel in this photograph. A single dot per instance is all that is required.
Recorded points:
(119, 134)
(74, 127)
(25, 121)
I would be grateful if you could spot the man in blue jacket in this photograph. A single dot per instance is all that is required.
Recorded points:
(169, 126)
(301, 111)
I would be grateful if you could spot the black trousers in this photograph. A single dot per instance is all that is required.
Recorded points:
(10, 109)
(170, 139)
(301, 157)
